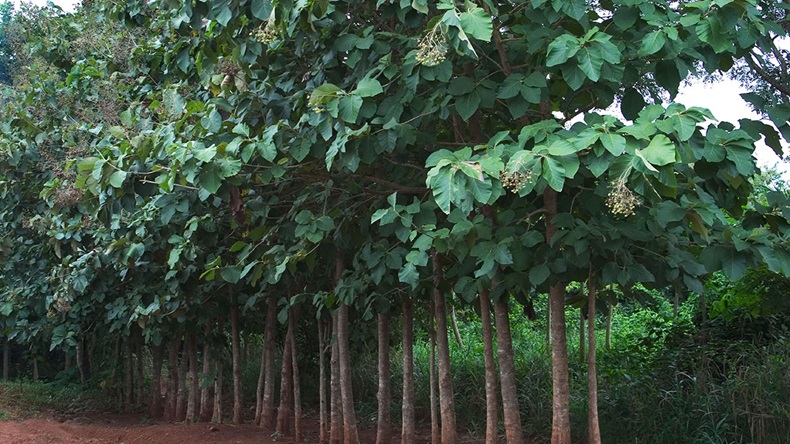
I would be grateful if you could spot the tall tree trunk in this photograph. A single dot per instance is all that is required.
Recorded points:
(35, 368)
(350, 435)
(80, 358)
(322, 410)
(561, 423)
(582, 339)
(217, 415)
(335, 402)
(548, 327)
(91, 349)
(183, 369)
(261, 382)
(507, 373)
(236, 351)
(285, 411)
(608, 340)
(384, 395)
(155, 401)
(297, 395)
(454, 323)
(594, 431)
(6, 358)
(492, 409)
(433, 395)
(139, 371)
(116, 359)
(206, 406)
(128, 374)
(194, 382)
(407, 412)
(270, 331)
(446, 401)
(172, 379)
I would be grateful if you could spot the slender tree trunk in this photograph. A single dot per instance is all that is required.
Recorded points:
(446, 401)
(80, 358)
(350, 435)
(454, 323)
(172, 380)
(582, 339)
(433, 395)
(218, 411)
(91, 349)
(128, 374)
(507, 374)
(407, 412)
(322, 410)
(155, 401)
(206, 406)
(285, 411)
(35, 368)
(6, 358)
(608, 340)
(183, 369)
(335, 402)
(261, 382)
(270, 330)
(139, 372)
(561, 424)
(194, 382)
(548, 327)
(384, 395)
(492, 408)
(116, 359)
(594, 431)
(297, 388)
(236, 351)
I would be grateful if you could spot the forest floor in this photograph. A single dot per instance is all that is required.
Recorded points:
(134, 429)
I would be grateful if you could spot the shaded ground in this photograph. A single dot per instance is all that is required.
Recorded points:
(129, 430)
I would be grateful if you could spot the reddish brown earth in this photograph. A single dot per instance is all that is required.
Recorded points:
(129, 430)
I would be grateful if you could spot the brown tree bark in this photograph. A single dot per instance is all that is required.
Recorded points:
(270, 331)
(446, 401)
(507, 374)
(218, 413)
(194, 382)
(155, 400)
(322, 405)
(350, 435)
(139, 371)
(454, 323)
(206, 406)
(594, 430)
(80, 358)
(561, 424)
(183, 369)
(172, 380)
(433, 395)
(128, 374)
(236, 352)
(407, 411)
(297, 388)
(285, 411)
(492, 408)
(261, 382)
(384, 395)
(335, 402)
(582, 339)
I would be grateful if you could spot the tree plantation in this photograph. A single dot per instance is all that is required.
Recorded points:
(435, 218)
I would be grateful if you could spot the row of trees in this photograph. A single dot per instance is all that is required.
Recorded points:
(168, 169)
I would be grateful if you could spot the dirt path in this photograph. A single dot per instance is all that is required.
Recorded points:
(128, 430)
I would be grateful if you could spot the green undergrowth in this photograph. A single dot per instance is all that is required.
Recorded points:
(25, 399)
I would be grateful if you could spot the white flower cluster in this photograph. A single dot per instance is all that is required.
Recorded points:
(432, 49)
(621, 201)
(514, 181)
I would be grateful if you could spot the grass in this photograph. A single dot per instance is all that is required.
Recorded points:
(25, 399)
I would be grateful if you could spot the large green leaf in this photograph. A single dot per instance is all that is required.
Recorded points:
(553, 173)
(660, 151)
(652, 43)
(562, 49)
(477, 23)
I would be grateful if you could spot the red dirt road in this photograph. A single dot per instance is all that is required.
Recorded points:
(126, 430)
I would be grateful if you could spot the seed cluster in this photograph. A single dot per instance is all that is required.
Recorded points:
(432, 49)
(266, 33)
(67, 196)
(621, 201)
(514, 181)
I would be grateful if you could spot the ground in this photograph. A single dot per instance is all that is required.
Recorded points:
(133, 430)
